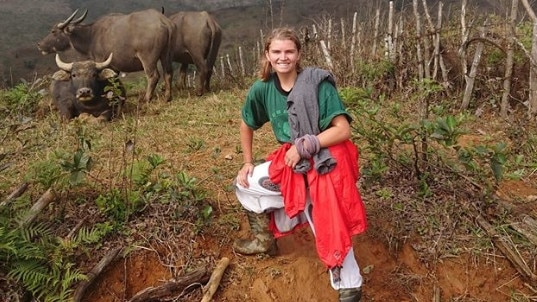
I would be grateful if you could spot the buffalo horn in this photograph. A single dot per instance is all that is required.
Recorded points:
(68, 20)
(62, 65)
(81, 17)
(103, 65)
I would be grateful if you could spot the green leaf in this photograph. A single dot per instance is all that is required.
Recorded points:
(497, 169)
(207, 211)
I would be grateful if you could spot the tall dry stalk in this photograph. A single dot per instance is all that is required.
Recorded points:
(532, 101)
(241, 62)
(464, 38)
(390, 52)
(424, 37)
(353, 42)
(435, 31)
(504, 106)
(271, 13)
(325, 50)
(443, 68)
(376, 33)
(419, 53)
(470, 78)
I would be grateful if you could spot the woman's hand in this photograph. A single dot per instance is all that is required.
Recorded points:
(292, 157)
(246, 170)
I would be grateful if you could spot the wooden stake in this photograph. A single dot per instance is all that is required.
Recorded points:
(214, 281)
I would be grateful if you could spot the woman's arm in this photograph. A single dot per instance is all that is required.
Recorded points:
(247, 135)
(247, 168)
(338, 132)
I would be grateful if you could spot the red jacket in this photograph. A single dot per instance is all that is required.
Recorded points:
(338, 210)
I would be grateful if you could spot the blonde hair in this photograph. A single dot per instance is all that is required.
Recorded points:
(281, 33)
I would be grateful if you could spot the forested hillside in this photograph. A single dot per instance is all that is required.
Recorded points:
(25, 22)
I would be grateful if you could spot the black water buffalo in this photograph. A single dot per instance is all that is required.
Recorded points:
(197, 42)
(138, 40)
(87, 87)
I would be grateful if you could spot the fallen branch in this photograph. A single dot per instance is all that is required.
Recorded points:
(523, 229)
(530, 222)
(77, 227)
(17, 193)
(171, 288)
(43, 201)
(94, 273)
(214, 282)
(501, 243)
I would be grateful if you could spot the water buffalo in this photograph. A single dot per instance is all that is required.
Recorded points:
(87, 87)
(197, 41)
(138, 40)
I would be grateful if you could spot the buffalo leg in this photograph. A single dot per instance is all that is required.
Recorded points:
(201, 82)
(152, 80)
(208, 79)
(167, 68)
(202, 75)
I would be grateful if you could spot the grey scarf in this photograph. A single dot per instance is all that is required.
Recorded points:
(303, 110)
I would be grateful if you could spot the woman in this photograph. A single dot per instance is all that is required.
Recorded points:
(311, 178)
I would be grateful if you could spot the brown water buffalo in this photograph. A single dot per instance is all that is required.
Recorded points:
(138, 40)
(197, 42)
(87, 87)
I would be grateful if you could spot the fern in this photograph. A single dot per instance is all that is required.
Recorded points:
(35, 258)
(33, 274)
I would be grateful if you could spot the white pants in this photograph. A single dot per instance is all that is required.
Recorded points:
(257, 199)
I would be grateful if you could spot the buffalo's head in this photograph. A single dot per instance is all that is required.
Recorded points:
(85, 76)
(58, 37)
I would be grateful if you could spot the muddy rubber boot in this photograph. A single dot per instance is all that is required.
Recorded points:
(350, 294)
(263, 241)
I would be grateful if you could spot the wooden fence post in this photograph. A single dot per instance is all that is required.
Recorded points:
(353, 41)
(343, 36)
(329, 34)
(222, 67)
(241, 62)
(229, 64)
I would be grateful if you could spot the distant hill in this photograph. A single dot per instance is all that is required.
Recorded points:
(25, 22)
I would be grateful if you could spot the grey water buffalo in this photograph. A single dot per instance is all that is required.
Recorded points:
(197, 42)
(87, 87)
(137, 40)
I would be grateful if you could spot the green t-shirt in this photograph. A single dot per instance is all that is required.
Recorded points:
(265, 103)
